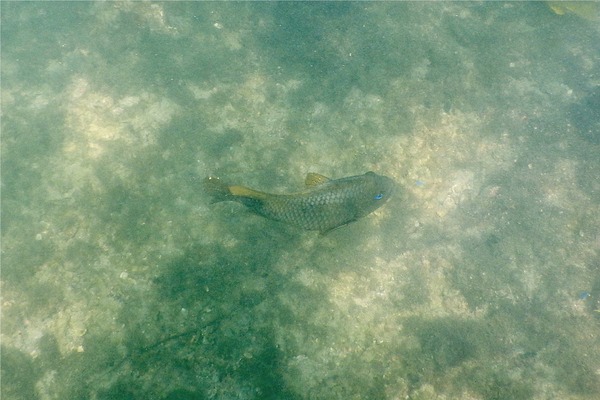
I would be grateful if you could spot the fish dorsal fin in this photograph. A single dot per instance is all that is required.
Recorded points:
(313, 179)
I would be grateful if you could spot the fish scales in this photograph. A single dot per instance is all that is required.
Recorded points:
(324, 205)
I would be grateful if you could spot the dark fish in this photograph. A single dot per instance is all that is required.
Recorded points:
(325, 204)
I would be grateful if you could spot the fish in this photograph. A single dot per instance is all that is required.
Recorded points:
(325, 204)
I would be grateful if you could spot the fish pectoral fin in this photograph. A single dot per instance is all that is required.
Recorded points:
(326, 231)
(314, 179)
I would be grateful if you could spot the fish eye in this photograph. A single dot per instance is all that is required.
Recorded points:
(378, 196)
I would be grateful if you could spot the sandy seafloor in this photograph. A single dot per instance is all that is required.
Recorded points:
(480, 279)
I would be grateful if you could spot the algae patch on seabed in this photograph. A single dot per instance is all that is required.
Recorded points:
(589, 10)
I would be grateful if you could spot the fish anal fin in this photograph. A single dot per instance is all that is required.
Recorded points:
(314, 179)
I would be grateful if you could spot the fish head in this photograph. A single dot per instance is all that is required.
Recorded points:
(376, 191)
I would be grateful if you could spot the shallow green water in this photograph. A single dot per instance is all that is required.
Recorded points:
(478, 280)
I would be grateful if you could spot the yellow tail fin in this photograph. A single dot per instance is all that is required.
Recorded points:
(219, 191)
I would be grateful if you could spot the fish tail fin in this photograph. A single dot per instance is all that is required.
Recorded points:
(217, 190)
